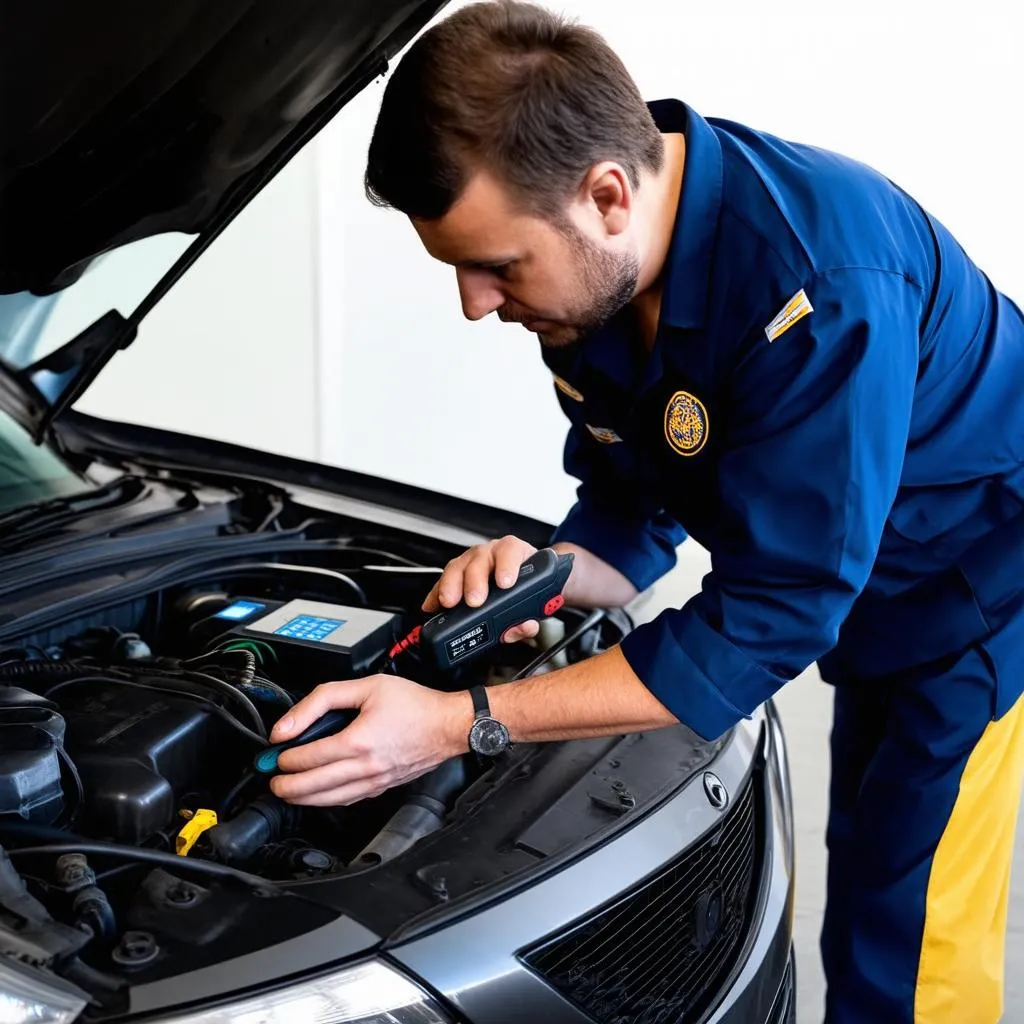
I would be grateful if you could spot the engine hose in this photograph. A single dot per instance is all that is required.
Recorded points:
(90, 905)
(41, 669)
(265, 820)
(422, 812)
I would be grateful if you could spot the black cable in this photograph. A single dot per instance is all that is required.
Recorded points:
(211, 657)
(76, 778)
(174, 691)
(571, 637)
(110, 872)
(224, 808)
(167, 860)
(229, 691)
(380, 553)
(201, 679)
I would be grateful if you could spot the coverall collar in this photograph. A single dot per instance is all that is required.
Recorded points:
(688, 264)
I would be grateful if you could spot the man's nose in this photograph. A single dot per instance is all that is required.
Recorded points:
(479, 293)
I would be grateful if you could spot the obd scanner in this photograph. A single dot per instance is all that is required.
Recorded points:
(313, 640)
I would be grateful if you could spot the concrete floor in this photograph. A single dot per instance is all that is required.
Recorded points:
(806, 707)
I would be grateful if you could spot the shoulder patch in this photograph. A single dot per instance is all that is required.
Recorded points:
(604, 434)
(796, 309)
(567, 389)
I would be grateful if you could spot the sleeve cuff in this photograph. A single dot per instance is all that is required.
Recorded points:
(642, 553)
(705, 681)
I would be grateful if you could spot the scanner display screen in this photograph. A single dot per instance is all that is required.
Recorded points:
(315, 628)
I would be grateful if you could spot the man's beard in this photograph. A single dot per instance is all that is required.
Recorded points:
(608, 279)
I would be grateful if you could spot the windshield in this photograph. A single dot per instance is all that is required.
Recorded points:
(31, 473)
(33, 326)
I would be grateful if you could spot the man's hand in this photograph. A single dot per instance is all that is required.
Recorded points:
(593, 582)
(469, 576)
(403, 731)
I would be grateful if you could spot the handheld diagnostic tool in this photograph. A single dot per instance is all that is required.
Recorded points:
(459, 634)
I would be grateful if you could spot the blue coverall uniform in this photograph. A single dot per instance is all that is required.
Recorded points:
(832, 408)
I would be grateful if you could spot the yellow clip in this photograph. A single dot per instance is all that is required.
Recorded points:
(197, 824)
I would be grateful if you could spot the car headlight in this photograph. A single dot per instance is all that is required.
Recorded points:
(26, 998)
(369, 993)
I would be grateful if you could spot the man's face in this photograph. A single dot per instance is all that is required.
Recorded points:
(562, 282)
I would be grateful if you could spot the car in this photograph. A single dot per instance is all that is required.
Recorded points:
(164, 598)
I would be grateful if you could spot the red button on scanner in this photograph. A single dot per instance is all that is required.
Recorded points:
(554, 604)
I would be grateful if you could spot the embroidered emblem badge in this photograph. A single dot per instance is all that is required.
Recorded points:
(686, 423)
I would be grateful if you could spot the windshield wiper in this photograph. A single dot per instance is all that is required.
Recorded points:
(54, 512)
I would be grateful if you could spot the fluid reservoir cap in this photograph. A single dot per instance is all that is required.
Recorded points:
(193, 829)
(313, 860)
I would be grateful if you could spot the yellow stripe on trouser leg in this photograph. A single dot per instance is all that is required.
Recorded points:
(960, 975)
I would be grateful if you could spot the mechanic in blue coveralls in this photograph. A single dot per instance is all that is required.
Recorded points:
(776, 351)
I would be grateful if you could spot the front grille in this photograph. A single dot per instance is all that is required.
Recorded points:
(659, 954)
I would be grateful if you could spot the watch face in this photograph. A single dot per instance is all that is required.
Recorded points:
(488, 737)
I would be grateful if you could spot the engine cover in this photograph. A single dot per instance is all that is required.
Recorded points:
(141, 753)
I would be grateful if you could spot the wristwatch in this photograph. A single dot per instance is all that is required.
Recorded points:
(487, 736)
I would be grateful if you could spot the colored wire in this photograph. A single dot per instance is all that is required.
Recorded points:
(412, 639)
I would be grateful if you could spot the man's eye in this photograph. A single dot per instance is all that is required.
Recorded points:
(503, 270)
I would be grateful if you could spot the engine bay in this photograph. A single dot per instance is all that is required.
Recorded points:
(129, 794)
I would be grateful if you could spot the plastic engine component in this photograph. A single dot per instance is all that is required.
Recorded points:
(31, 735)
(140, 751)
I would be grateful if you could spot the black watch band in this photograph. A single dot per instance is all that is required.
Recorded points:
(481, 705)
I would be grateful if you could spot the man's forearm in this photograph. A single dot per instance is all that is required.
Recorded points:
(594, 583)
(598, 697)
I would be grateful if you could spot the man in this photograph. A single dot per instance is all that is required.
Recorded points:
(775, 350)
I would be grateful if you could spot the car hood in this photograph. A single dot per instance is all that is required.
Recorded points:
(125, 120)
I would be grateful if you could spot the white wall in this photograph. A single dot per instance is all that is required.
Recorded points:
(320, 328)
(232, 351)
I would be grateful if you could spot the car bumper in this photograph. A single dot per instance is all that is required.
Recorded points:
(477, 964)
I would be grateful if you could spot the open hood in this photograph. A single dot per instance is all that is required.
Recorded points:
(124, 120)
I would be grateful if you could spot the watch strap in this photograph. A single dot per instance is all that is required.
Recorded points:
(481, 705)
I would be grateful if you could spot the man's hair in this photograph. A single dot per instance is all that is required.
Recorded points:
(512, 88)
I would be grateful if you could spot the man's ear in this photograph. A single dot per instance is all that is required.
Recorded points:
(607, 190)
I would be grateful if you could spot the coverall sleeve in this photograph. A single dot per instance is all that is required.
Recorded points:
(615, 521)
(815, 433)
